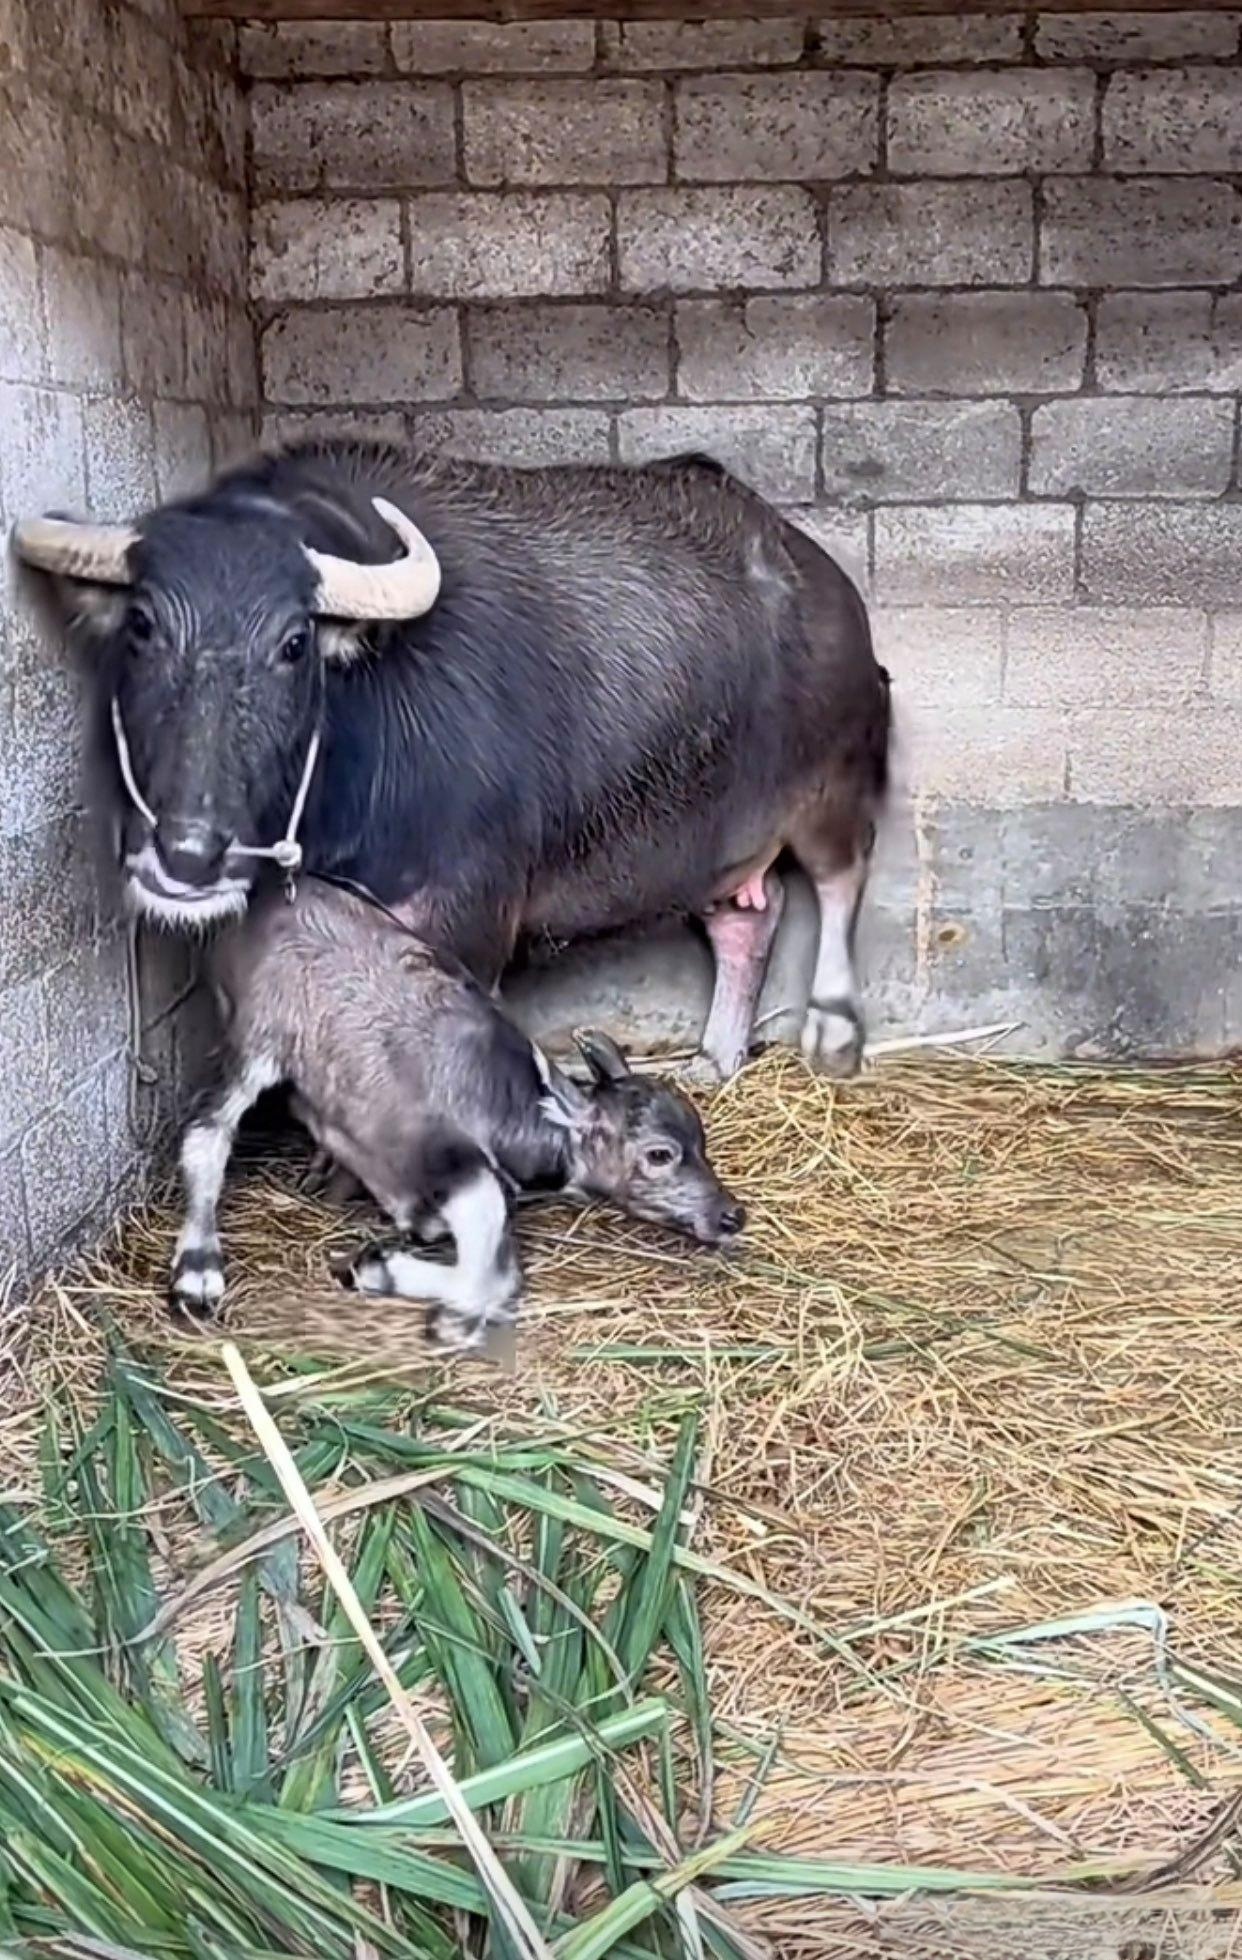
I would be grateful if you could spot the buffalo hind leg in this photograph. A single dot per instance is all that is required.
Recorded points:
(741, 935)
(198, 1267)
(480, 1290)
(836, 859)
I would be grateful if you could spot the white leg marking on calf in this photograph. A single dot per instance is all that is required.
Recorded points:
(198, 1274)
(481, 1286)
(832, 1034)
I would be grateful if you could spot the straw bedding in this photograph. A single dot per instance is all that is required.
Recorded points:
(973, 1377)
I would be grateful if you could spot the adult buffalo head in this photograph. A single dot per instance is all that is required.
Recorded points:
(211, 625)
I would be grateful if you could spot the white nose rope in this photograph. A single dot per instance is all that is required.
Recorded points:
(286, 852)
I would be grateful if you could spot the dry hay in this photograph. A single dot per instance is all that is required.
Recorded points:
(975, 1371)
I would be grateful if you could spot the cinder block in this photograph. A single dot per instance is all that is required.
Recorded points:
(117, 211)
(553, 353)
(941, 655)
(921, 39)
(37, 191)
(769, 128)
(1174, 554)
(1168, 343)
(564, 132)
(40, 728)
(49, 880)
(524, 436)
(294, 50)
(708, 44)
(991, 124)
(1168, 756)
(14, 51)
(476, 47)
(367, 136)
(1132, 446)
(214, 120)
(234, 434)
(509, 245)
(1118, 37)
(362, 354)
(22, 332)
(772, 449)
(65, 1167)
(153, 335)
(688, 240)
(182, 449)
(83, 303)
(120, 457)
(86, 1014)
(990, 757)
(1142, 231)
(777, 348)
(15, 1252)
(992, 554)
(206, 347)
(242, 364)
(224, 219)
(143, 87)
(24, 1063)
(42, 456)
(1091, 656)
(1173, 120)
(886, 452)
(319, 248)
(331, 423)
(969, 234)
(1226, 657)
(985, 344)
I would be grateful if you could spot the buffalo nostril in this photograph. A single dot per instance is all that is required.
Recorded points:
(192, 853)
(731, 1219)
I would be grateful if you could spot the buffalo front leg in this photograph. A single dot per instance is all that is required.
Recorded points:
(741, 931)
(198, 1268)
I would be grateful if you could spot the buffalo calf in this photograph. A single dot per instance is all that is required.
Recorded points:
(411, 1078)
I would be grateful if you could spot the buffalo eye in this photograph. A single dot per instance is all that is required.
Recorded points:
(295, 646)
(660, 1156)
(139, 624)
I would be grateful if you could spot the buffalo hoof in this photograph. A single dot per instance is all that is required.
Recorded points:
(704, 1071)
(197, 1285)
(832, 1038)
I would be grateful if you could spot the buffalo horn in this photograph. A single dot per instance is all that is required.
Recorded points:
(404, 590)
(94, 552)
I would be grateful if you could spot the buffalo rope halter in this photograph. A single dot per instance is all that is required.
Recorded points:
(286, 852)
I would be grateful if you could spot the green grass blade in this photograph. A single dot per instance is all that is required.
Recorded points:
(217, 1725)
(647, 1602)
(460, 1650)
(251, 1761)
(639, 1902)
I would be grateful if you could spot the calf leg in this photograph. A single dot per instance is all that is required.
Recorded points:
(741, 931)
(836, 857)
(198, 1269)
(482, 1286)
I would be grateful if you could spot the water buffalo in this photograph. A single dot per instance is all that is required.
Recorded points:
(409, 1075)
(507, 702)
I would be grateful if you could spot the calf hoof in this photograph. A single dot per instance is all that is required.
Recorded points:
(369, 1272)
(832, 1037)
(197, 1285)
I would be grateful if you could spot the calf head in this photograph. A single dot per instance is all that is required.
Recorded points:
(641, 1144)
(210, 626)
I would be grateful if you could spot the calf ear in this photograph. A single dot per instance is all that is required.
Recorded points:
(602, 1056)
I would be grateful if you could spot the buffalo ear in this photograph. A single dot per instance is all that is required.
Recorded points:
(91, 612)
(602, 1056)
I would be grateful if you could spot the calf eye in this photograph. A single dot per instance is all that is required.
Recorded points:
(660, 1156)
(295, 646)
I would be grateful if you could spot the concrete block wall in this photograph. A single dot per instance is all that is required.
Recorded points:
(962, 294)
(126, 370)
